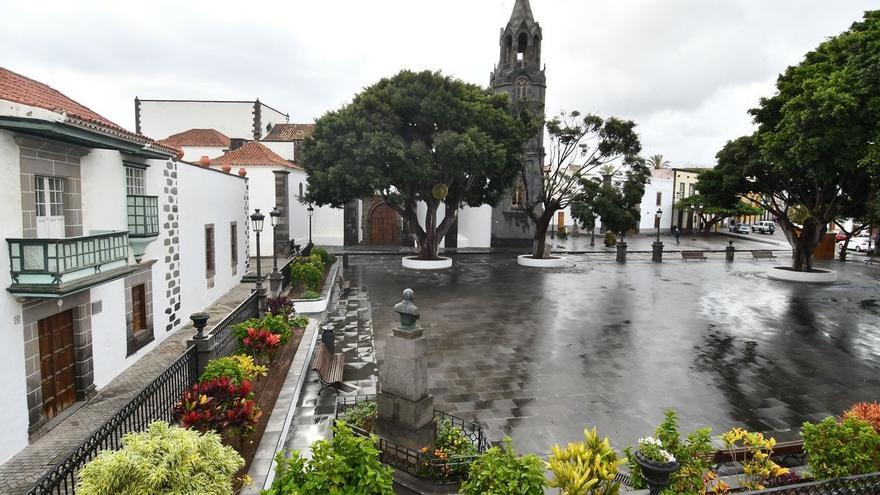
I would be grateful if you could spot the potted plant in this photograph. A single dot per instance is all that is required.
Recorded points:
(657, 463)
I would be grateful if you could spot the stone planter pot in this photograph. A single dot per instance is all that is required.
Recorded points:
(204, 161)
(621, 252)
(656, 474)
(226, 167)
(551, 262)
(416, 264)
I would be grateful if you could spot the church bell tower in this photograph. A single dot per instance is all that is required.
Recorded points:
(520, 75)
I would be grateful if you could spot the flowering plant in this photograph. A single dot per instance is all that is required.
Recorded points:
(652, 450)
(218, 405)
(261, 343)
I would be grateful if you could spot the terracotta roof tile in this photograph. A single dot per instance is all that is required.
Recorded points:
(289, 132)
(20, 89)
(197, 137)
(252, 153)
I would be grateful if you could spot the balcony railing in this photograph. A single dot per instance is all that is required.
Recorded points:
(58, 266)
(143, 216)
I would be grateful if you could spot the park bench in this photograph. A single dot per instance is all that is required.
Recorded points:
(762, 254)
(329, 366)
(693, 256)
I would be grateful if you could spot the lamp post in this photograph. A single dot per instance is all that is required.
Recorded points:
(657, 252)
(257, 220)
(311, 211)
(275, 276)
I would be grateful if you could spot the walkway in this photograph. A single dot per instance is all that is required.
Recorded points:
(20, 472)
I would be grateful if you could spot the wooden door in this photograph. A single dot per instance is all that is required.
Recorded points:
(57, 365)
(384, 225)
(138, 308)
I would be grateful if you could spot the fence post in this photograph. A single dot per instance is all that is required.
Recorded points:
(204, 344)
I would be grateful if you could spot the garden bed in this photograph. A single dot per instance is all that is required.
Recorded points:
(266, 391)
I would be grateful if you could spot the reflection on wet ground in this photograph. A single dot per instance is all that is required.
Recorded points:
(539, 354)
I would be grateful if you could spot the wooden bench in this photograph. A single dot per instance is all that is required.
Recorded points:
(762, 254)
(329, 368)
(693, 256)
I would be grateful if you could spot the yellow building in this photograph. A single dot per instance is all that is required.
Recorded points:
(684, 185)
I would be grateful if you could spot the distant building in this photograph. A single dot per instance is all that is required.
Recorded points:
(196, 143)
(658, 195)
(235, 119)
(111, 243)
(684, 185)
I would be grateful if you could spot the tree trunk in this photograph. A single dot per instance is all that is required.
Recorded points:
(805, 244)
(539, 246)
(431, 243)
(843, 252)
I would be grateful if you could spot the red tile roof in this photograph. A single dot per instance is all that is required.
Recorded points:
(20, 89)
(197, 137)
(289, 132)
(252, 153)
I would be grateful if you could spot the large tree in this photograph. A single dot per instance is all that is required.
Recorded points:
(617, 203)
(579, 144)
(417, 137)
(816, 146)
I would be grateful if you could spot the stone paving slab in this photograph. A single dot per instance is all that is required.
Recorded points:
(20, 472)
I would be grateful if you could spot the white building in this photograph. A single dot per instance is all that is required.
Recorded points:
(658, 195)
(110, 247)
(198, 143)
(236, 119)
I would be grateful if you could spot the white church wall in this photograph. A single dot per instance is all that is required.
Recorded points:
(160, 119)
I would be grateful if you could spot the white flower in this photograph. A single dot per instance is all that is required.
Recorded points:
(650, 441)
(667, 456)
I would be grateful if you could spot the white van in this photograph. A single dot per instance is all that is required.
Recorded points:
(764, 227)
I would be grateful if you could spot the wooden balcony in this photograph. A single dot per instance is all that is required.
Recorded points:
(59, 267)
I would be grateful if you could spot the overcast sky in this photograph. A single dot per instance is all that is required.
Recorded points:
(685, 70)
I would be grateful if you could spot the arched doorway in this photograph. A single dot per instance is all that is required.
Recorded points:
(384, 225)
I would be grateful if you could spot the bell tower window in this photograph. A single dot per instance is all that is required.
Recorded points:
(522, 44)
(521, 88)
(508, 48)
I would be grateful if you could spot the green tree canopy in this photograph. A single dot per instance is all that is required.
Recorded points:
(718, 198)
(417, 137)
(617, 203)
(817, 140)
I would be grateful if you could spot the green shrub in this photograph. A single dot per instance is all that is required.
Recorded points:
(326, 257)
(610, 239)
(236, 368)
(585, 468)
(306, 274)
(299, 322)
(344, 465)
(310, 294)
(690, 452)
(276, 324)
(499, 471)
(362, 415)
(164, 459)
(843, 448)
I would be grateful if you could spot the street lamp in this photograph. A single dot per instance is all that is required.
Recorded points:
(311, 211)
(274, 277)
(657, 252)
(257, 220)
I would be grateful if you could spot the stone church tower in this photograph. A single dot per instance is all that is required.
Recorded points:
(519, 74)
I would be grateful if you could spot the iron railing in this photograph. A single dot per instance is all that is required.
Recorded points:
(29, 258)
(863, 484)
(143, 215)
(422, 464)
(153, 403)
(285, 274)
(227, 343)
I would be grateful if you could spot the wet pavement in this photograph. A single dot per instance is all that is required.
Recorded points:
(540, 354)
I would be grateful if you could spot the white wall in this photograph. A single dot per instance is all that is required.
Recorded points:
(109, 338)
(193, 153)
(271, 116)
(160, 119)
(649, 205)
(283, 148)
(475, 227)
(262, 196)
(208, 196)
(103, 191)
(327, 223)
(13, 393)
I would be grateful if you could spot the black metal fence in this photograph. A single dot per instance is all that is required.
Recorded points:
(153, 403)
(222, 334)
(285, 274)
(424, 464)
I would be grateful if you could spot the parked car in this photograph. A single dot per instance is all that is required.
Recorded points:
(859, 244)
(741, 228)
(764, 227)
(840, 236)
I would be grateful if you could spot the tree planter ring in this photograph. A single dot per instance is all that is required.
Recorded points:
(552, 262)
(414, 263)
(816, 276)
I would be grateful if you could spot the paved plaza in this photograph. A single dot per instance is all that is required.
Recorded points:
(539, 354)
